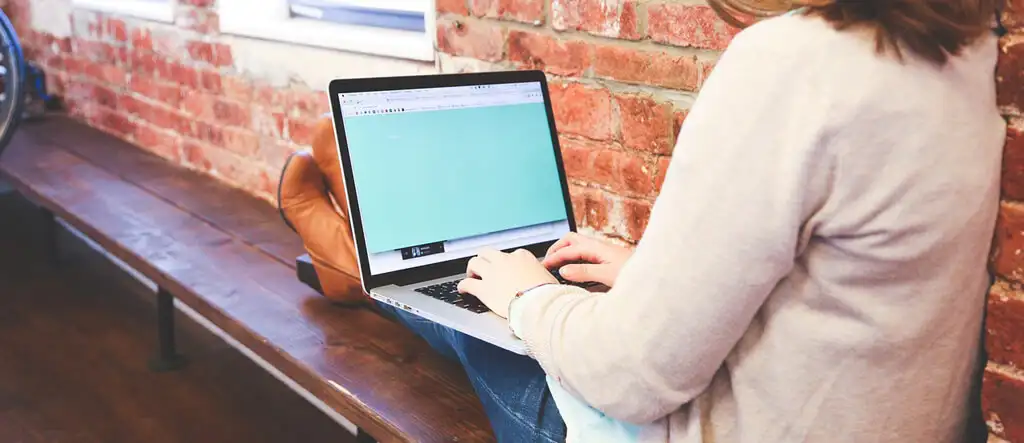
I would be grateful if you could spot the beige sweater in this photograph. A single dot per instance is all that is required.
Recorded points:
(815, 267)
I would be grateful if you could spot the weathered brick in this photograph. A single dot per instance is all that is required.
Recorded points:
(104, 96)
(582, 110)
(88, 22)
(201, 20)
(688, 25)
(476, 39)
(116, 123)
(144, 62)
(577, 156)
(241, 141)
(1013, 162)
(647, 67)
(453, 7)
(62, 45)
(184, 75)
(117, 30)
(707, 67)
(659, 177)
(98, 52)
(634, 176)
(131, 106)
(590, 206)
(527, 11)
(308, 104)
(267, 122)
(234, 170)
(198, 105)
(166, 118)
(1004, 326)
(1010, 74)
(538, 51)
(162, 92)
(608, 18)
(300, 130)
(199, 3)
(207, 132)
(597, 207)
(678, 118)
(1002, 401)
(200, 51)
(222, 55)
(210, 81)
(170, 43)
(111, 74)
(1008, 254)
(56, 83)
(646, 124)
(164, 144)
(621, 171)
(195, 155)
(579, 204)
(636, 214)
(603, 167)
(274, 152)
(231, 113)
(237, 88)
(1013, 14)
(216, 54)
(141, 39)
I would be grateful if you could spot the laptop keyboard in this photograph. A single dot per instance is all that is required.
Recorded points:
(448, 292)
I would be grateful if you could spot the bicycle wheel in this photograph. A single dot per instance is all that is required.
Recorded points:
(12, 80)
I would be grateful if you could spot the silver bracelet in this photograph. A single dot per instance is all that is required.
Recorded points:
(520, 294)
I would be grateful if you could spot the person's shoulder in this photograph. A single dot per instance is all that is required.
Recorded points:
(790, 35)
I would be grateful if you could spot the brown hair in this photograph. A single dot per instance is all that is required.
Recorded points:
(932, 29)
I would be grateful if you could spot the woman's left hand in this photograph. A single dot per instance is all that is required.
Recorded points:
(496, 277)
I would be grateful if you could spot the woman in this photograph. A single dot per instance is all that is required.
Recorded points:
(814, 268)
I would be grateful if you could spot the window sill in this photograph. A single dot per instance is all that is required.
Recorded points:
(156, 11)
(375, 41)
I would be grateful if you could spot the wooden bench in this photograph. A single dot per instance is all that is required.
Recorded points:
(229, 258)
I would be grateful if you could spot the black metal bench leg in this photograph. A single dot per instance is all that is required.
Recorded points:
(50, 230)
(363, 437)
(167, 358)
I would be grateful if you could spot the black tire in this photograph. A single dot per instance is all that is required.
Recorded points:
(13, 80)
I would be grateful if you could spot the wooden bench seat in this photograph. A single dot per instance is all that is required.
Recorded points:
(228, 257)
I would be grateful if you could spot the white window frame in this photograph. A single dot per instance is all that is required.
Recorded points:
(161, 11)
(272, 20)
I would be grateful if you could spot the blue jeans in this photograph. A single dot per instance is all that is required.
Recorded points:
(511, 387)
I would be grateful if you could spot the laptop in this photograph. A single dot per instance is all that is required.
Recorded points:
(438, 167)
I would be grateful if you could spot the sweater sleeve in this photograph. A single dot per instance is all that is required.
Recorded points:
(749, 169)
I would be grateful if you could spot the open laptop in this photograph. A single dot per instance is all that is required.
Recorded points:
(436, 168)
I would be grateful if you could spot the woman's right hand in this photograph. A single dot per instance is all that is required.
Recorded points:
(583, 259)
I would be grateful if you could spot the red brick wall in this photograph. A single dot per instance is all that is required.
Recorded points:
(171, 89)
(1003, 389)
(623, 74)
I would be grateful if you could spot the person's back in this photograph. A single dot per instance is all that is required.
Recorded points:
(832, 288)
(873, 334)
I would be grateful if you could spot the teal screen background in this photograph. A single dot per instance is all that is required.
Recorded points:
(430, 176)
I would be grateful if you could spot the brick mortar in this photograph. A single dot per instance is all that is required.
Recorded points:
(644, 44)
(1005, 370)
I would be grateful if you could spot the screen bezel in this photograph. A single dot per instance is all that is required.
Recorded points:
(450, 267)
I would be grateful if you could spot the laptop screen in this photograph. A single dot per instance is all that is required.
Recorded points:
(440, 173)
